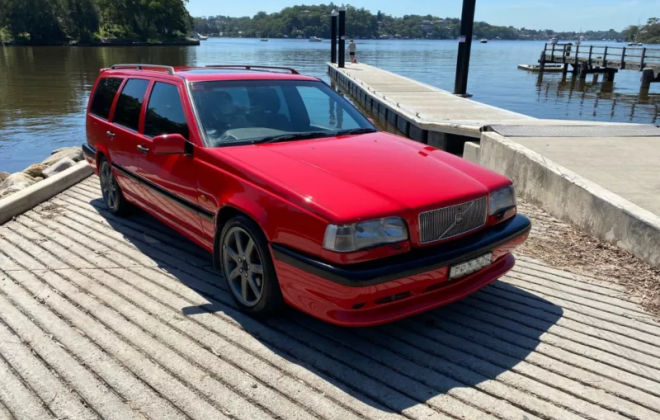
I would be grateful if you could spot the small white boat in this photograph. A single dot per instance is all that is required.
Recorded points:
(549, 67)
(202, 37)
(315, 39)
(484, 41)
(553, 40)
(639, 44)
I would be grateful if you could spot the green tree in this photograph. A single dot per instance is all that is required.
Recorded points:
(36, 21)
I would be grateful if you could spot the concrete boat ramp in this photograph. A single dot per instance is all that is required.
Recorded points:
(121, 318)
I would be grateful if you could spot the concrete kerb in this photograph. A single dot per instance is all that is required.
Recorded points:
(570, 197)
(33, 195)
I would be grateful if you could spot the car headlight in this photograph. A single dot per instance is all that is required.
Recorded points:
(349, 238)
(502, 200)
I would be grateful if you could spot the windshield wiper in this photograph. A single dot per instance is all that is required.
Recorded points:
(355, 131)
(291, 137)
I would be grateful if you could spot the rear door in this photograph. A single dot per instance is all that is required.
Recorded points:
(125, 137)
(98, 126)
(170, 180)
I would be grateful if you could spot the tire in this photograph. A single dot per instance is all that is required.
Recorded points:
(112, 195)
(248, 268)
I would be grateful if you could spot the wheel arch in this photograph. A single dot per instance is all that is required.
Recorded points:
(101, 154)
(226, 213)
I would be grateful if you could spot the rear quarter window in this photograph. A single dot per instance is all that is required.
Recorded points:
(129, 103)
(104, 96)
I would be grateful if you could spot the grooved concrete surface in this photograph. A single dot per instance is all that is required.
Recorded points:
(108, 318)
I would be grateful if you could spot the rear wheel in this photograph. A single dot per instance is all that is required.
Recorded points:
(112, 196)
(248, 268)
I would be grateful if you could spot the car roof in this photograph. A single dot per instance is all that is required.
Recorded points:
(211, 73)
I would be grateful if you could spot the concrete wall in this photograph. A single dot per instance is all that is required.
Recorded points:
(572, 198)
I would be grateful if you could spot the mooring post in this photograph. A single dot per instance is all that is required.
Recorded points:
(591, 51)
(464, 47)
(553, 52)
(648, 76)
(609, 75)
(623, 59)
(333, 36)
(584, 69)
(342, 37)
(576, 63)
(605, 57)
(542, 62)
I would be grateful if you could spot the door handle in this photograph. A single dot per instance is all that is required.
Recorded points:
(143, 149)
(110, 134)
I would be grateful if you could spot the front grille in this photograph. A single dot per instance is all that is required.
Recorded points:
(451, 221)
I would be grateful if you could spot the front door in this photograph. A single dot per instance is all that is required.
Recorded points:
(170, 180)
(124, 136)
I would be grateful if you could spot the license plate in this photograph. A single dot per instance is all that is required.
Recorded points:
(468, 267)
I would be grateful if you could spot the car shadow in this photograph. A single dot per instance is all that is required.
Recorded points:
(390, 368)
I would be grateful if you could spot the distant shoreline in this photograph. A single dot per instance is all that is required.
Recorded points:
(190, 42)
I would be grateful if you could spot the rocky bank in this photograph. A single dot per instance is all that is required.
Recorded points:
(58, 161)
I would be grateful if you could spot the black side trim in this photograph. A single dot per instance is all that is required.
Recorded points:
(410, 263)
(89, 150)
(202, 212)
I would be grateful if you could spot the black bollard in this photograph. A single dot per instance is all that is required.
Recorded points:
(342, 36)
(464, 46)
(333, 36)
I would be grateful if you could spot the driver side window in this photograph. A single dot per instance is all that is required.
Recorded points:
(165, 112)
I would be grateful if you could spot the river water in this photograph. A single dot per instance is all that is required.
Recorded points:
(44, 90)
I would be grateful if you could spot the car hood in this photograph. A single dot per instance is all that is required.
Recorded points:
(355, 178)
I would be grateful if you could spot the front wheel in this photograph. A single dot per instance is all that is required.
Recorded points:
(112, 196)
(248, 268)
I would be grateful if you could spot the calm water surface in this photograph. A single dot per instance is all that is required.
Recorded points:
(44, 90)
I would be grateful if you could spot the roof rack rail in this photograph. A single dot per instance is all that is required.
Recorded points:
(249, 67)
(146, 67)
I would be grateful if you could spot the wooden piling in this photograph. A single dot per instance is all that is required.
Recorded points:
(648, 77)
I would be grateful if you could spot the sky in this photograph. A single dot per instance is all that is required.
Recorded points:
(559, 15)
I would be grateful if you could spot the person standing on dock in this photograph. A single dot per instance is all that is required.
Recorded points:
(352, 48)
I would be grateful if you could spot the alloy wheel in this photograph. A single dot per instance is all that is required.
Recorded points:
(242, 266)
(109, 186)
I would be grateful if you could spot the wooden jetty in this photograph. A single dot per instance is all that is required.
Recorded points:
(594, 59)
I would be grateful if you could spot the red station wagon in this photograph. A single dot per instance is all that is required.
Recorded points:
(298, 197)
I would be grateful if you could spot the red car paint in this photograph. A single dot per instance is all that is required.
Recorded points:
(293, 190)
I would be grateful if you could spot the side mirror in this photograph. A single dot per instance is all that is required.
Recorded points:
(169, 144)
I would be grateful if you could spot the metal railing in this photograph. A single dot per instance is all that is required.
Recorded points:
(144, 67)
(250, 67)
(603, 55)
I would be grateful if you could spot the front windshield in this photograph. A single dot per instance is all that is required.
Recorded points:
(259, 111)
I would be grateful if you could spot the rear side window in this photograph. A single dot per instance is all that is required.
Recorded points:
(165, 113)
(129, 103)
(104, 95)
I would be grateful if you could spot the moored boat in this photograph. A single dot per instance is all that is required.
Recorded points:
(550, 67)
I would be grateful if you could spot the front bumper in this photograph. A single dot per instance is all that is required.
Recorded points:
(385, 290)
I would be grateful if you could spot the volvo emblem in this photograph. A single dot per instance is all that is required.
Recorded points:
(459, 218)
